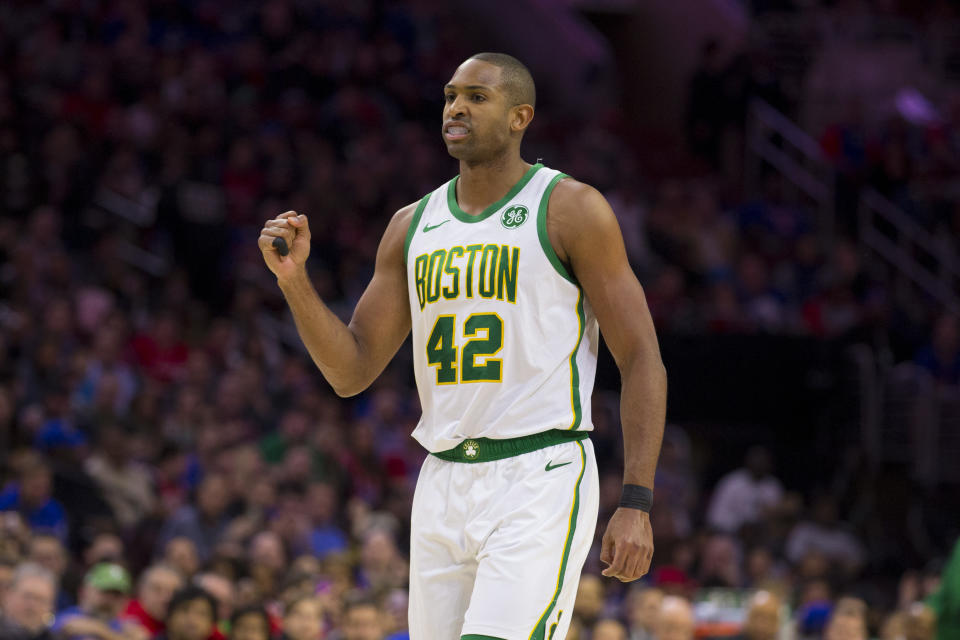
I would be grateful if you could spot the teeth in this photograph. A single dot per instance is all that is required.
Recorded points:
(457, 130)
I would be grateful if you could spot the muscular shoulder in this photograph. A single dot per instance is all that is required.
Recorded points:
(572, 194)
(576, 213)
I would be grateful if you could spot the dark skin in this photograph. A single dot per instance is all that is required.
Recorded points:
(585, 235)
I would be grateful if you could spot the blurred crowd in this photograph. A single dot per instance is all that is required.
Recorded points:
(171, 464)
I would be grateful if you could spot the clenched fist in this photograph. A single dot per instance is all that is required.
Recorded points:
(295, 230)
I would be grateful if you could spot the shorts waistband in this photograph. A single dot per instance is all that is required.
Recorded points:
(488, 449)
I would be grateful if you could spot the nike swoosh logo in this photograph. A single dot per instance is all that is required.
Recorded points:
(550, 466)
(427, 227)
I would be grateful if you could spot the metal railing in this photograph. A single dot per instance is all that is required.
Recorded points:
(134, 215)
(938, 275)
(773, 139)
(885, 231)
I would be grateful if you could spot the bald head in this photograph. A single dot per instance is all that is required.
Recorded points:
(609, 629)
(515, 79)
(920, 622)
(763, 617)
(675, 621)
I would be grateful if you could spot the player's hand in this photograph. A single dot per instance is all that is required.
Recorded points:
(295, 230)
(627, 545)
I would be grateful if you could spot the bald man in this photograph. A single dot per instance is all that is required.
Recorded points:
(589, 602)
(763, 618)
(846, 626)
(920, 622)
(642, 608)
(675, 621)
(609, 629)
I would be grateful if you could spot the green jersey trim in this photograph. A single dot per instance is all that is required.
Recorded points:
(575, 408)
(414, 223)
(463, 216)
(539, 632)
(488, 449)
(542, 231)
(474, 636)
(574, 370)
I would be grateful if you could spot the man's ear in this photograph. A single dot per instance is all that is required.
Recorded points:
(520, 117)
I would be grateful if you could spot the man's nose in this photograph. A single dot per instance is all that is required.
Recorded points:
(457, 108)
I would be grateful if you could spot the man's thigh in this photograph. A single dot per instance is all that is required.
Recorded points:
(529, 566)
(442, 570)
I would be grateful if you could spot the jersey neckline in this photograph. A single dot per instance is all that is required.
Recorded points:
(463, 216)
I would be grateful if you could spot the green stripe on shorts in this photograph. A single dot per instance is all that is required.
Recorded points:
(539, 632)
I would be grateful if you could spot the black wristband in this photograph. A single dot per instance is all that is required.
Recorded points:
(635, 496)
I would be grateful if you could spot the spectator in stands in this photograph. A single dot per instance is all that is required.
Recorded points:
(223, 593)
(126, 485)
(381, 566)
(204, 523)
(181, 553)
(676, 483)
(720, 562)
(608, 629)
(302, 619)
(59, 434)
(28, 604)
(32, 497)
(675, 621)
(105, 547)
(157, 586)
(161, 352)
(893, 626)
(814, 607)
(362, 620)
(941, 357)
(7, 569)
(394, 609)
(763, 618)
(642, 606)
(326, 537)
(48, 552)
(845, 627)
(847, 621)
(745, 495)
(826, 535)
(250, 623)
(191, 616)
(761, 568)
(588, 606)
(267, 559)
(920, 623)
(103, 596)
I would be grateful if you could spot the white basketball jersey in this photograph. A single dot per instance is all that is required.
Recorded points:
(504, 341)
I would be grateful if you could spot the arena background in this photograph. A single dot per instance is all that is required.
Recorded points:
(785, 173)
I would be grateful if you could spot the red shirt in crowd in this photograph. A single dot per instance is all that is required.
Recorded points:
(137, 613)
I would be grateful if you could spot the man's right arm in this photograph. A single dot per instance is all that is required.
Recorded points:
(350, 356)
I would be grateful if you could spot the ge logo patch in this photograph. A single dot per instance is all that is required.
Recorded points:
(471, 448)
(514, 216)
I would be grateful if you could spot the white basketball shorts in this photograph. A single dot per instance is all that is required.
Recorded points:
(497, 547)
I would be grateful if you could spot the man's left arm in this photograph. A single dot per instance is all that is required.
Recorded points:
(584, 231)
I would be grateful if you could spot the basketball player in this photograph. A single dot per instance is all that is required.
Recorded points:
(503, 275)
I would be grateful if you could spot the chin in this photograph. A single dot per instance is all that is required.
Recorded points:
(458, 151)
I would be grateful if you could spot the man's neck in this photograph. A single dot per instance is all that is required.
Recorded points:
(482, 184)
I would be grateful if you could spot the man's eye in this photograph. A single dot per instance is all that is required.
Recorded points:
(450, 97)
(479, 98)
